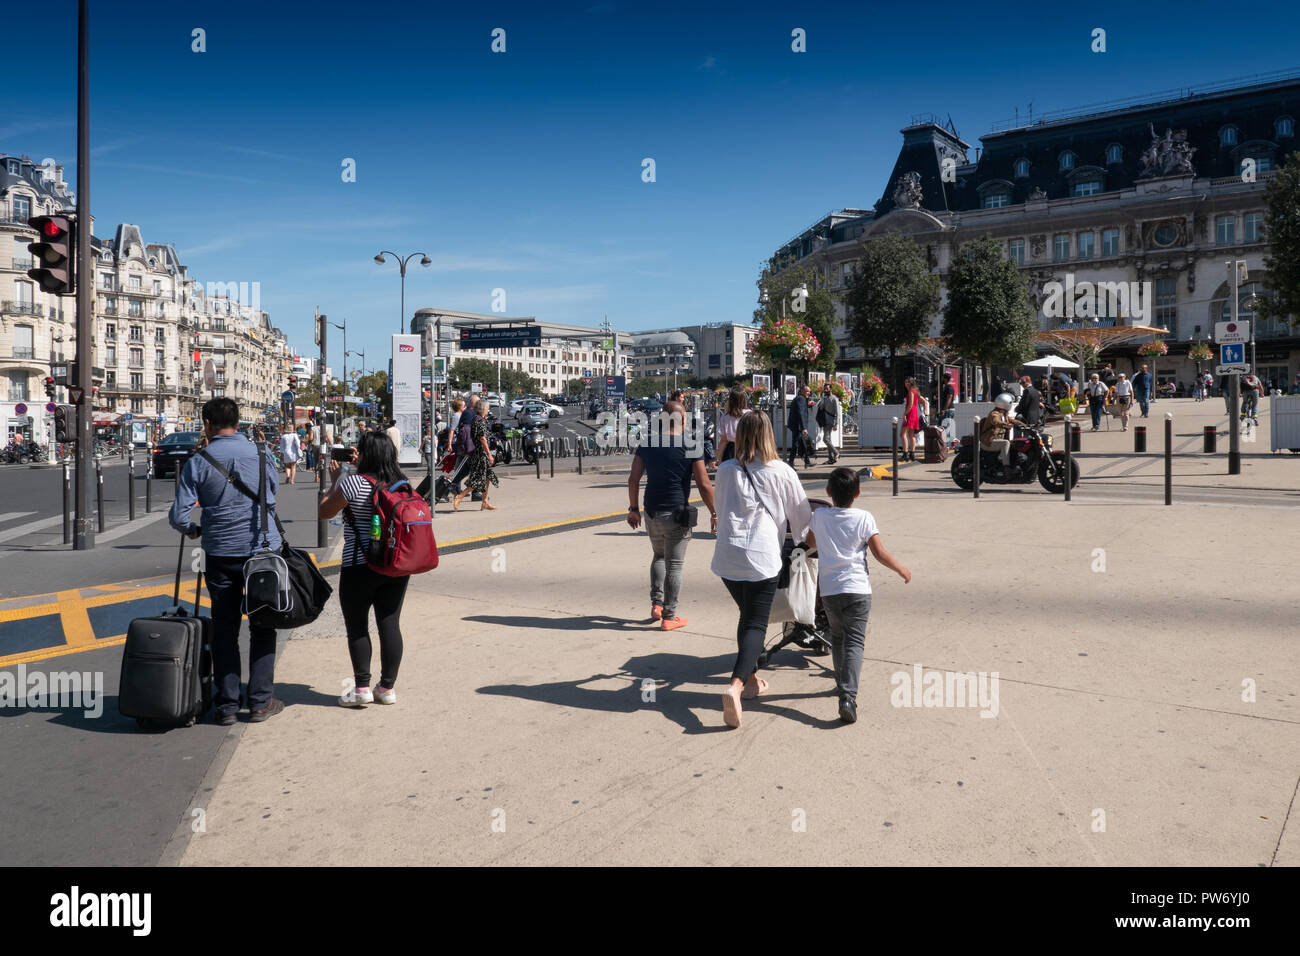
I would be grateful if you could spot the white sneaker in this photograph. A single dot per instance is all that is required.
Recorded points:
(356, 697)
(385, 695)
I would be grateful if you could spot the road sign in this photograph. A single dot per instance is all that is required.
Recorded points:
(440, 369)
(1232, 354)
(126, 417)
(75, 394)
(50, 406)
(1231, 369)
(615, 387)
(287, 396)
(20, 409)
(1232, 333)
(209, 375)
(476, 388)
(510, 337)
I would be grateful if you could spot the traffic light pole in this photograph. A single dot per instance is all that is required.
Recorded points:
(83, 537)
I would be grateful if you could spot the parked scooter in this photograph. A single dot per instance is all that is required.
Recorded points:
(534, 445)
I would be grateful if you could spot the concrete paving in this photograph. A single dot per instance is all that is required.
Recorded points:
(542, 719)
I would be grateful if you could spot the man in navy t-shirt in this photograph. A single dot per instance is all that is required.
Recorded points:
(669, 462)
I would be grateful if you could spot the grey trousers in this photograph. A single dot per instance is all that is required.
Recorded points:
(847, 615)
(668, 539)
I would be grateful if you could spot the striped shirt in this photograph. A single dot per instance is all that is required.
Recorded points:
(360, 496)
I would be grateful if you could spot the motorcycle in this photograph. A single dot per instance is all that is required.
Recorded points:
(534, 445)
(1031, 457)
(499, 443)
(20, 453)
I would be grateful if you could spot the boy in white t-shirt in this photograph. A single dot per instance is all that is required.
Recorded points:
(841, 536)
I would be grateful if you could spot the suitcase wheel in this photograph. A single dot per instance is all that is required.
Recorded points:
(763, 658)
(143, 723)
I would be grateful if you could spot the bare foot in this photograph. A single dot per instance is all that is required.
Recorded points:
(731, 707)
(753, 687)
(488, 507)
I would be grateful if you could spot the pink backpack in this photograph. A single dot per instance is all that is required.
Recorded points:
(406, 544)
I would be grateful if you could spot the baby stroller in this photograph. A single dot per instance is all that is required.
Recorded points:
(815, 638)
(444, 471)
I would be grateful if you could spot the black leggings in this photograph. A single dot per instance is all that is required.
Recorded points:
(360, 589)
(754, 598)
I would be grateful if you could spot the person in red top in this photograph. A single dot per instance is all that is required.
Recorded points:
(913, 407)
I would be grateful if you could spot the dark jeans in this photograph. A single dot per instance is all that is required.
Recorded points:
(847, 616)
(798, 446)
(226, 588)
(754, 598)
(1096, 406)
(360, 589)
(1144, 401)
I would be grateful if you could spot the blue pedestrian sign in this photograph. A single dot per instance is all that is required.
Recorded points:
(126, 417)
(1232, 354)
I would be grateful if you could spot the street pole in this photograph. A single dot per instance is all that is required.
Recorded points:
(1234, 393)
(322, 525)
(84, 535)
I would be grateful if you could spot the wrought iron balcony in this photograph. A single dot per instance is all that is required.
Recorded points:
(21, 308)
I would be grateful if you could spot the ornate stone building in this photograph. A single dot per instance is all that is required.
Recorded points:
(1161, 193)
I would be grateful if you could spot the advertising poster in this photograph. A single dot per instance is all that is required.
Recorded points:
(406, 390)
(791, 387)
(763, 381)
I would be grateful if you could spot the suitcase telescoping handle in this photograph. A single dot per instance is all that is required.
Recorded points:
(198, 583)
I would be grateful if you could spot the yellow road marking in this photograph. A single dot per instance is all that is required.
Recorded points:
(77, 631)
(45, 653)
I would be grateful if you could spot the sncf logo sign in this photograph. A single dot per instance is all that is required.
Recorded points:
(406, 348)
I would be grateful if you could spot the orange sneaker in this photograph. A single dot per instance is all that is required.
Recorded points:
(672, 623)
(657, 612)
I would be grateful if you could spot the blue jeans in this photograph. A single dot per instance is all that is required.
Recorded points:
(668, 539)
(1096, 405)
(847, 615)
(226, 588)
(1144, 401)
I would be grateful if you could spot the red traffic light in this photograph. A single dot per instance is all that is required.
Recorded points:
(51, 229)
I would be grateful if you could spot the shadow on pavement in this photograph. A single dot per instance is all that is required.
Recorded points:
(293, 694)
(670, 673)
(591, 622)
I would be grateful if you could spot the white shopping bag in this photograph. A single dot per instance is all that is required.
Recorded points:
(798, 601)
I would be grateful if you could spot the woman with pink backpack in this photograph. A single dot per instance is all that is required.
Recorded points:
(360, 586)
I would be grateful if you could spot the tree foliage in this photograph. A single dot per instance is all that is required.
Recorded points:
(987, 317)
(891, 296)
(464, 372)
(1282, 228)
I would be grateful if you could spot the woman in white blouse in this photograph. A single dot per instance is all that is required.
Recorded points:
(737, 406)
(755, 494)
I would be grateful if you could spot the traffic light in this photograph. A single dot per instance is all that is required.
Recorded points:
(53, 252)
(293, 384)
(65, 423)
(49, 387)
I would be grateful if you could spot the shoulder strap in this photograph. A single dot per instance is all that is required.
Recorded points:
(234, 479)
(261, 490)
(759, 495)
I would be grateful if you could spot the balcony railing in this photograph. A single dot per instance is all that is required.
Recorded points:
(109, 310)
(21, 308)
(21, 353)
(22, 265)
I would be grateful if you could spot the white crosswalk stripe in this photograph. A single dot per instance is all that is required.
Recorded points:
(30, 527)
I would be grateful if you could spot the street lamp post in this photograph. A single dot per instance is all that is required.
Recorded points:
(401, 262)
(344, 402)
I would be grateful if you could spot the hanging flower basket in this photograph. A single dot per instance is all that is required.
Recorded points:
(784, 340)
(1157, 347)
(875, 389)
(1200, 352)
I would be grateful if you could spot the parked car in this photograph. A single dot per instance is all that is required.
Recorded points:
(533, 413)
(171, 454)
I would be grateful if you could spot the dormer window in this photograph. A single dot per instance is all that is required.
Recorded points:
(1228, 136)
(14, 167)
(1114, 153)
(1067, 161)
(995, 194)
(1283, 127)
(1022, 169)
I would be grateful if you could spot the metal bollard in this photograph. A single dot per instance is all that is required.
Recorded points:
(67, 502)
(1076, 436)
(322, 524)
(148, 480)
(1139, 439)
(581, 442)
(551, 443)
(894, 452)
(99, 490)
(975, 456)
(1211, 439)
(130, 486)
(1169, 458)
(1069, 470)
(537, 460)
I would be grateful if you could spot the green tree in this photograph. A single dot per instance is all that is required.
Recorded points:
(987, 317)
(464, 372)
(890, 298)
(1282, 227)
(644, 387)
(818, 312)
(374, 388)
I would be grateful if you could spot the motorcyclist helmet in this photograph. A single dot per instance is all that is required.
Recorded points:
(1004, 401)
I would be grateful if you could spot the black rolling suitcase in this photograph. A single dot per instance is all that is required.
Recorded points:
(936, 445)
(167, 663)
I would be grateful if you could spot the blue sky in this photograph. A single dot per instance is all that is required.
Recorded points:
(522, 170)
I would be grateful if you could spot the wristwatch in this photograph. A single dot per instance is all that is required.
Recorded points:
(633, 508)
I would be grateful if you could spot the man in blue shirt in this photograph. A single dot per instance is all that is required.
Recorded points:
(231, 531)
(1142, 389)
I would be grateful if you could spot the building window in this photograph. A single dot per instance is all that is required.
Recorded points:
(136, 333)
(110, 355)
(135, 307)
(1061, 247)
(1067, 161)
(1016, 251)
(110, 330)
(1087, 187)
(1283, 127)
(1110, 242)
(1114, 153)
(157, 287)
(133, 282)
(1086, 240)
(137, 358)
(110, 379)
(1225, 230)
(1254, 227)
(18, 387)
(158, 358)
(1228, 136)
(137, 381)
(1166, 313)
(1264, 164)
(14, 168)
(106, 280)
(137, 406)
(22, 208)
(1022, 169)
(996, 198)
